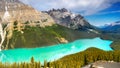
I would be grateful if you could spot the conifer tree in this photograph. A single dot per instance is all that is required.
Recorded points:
(45, 64)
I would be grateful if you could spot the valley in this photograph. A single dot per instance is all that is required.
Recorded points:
(54, 52)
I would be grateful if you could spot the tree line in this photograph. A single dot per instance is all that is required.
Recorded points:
(71, 61)
(87, 57)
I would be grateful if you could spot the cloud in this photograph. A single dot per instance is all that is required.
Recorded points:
(86, 7)
(103, 13)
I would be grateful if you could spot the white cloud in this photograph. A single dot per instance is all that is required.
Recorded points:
(102, 13)
(86, 7)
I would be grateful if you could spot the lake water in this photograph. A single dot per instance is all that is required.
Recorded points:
(54, 52)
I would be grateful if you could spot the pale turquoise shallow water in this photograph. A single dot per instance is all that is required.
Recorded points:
(51, 53)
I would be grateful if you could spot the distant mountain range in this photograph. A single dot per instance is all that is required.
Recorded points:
(112, 28)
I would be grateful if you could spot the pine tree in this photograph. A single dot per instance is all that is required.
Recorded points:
(38, 65)
(45, 64)
(32, 60)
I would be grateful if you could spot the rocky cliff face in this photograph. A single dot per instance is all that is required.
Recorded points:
(14, 10)
(15, 15)
(68, 19)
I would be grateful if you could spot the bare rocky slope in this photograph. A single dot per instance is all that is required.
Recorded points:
(14, 10)
(71, 20)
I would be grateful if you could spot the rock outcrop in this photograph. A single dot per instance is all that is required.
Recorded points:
(103, 64)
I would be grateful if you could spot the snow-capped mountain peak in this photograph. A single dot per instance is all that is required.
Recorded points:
(116, 23)
(113, 27)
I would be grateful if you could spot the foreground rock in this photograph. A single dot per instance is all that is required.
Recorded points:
(103, 64)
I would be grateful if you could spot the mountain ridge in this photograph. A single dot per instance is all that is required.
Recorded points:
(112, 28)
(68, 19)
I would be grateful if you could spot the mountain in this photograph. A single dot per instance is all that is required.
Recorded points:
(16, 16)
(68, 19)
(112, 28)
(24, 27)
(14, 10)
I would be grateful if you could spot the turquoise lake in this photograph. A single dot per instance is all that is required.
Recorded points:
(54, 52)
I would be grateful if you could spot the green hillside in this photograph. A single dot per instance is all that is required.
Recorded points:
(49, 35)
(113, 37)
(86, 57)
(116, 45)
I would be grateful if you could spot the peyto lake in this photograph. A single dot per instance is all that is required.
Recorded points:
(54, 52)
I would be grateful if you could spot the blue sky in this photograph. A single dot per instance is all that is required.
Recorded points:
(97, 12)
(106, 16)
